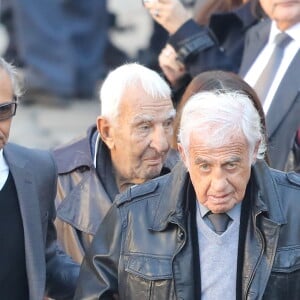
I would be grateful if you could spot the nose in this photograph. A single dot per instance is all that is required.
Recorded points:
(219, 181)
(160, 139)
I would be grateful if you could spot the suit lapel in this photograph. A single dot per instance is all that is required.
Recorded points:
(256, 39)
(30, 212)
(285, 95)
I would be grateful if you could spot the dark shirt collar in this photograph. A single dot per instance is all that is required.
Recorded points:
(103, 164)
(233, 213)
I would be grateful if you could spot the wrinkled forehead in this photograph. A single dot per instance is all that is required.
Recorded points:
(214, 136)
(137, 102)
(154, 115)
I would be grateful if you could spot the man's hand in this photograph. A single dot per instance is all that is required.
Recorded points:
(173, 69)
(170, 14)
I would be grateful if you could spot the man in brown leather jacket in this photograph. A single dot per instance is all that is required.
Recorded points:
(168, 239)
(129, 146)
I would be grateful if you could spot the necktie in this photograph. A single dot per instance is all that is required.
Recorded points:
(267, 76)
(219, 221)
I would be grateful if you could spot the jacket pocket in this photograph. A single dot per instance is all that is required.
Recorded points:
(285, 275)
(287, 259)
(149, 277)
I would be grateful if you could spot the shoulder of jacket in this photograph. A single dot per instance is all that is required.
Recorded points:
(65, 149)
(29, 153)
(262, 25)
(76, 154)
(293, 178)
(140, 191)
(289, 178)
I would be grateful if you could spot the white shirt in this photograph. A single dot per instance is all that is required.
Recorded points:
(3, 170)
(262, 59)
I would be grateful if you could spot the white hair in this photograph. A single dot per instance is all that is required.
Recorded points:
(224, 113)
(13, 75)
(124, 76)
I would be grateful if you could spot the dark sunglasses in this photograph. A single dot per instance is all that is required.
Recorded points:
(8, 110)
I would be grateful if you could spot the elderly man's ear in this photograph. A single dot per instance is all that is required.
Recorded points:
(254, 155)
(105, 129)
(182, 154)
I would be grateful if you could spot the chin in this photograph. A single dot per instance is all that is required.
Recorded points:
(153, 172)
(222, 208)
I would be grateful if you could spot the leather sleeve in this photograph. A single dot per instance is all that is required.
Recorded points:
(190, 39)
(200, 50)
(98, 277)
(61, 271)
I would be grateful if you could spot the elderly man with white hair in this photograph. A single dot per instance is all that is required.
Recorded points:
(128, 145)
(221, 225)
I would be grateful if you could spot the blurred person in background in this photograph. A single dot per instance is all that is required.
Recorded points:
(214, 39)
(149, 56)
(62, 47)
(272, 70)
(244, 47)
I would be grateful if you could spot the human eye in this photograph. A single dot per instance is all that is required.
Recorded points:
(204, 167)
(168, 123)
(231, 165)
(144, 127)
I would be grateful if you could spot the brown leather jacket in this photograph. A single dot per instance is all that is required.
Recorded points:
(82, 200)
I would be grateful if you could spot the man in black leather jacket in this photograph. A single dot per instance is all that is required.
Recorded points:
(157, 241)
(128, 149)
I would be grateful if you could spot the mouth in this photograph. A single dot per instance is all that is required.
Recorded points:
(219, 199)
(154, 161)
(286, 3)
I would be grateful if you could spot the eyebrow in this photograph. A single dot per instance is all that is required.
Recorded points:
(148, 118)
(200, 160)
(233, 159)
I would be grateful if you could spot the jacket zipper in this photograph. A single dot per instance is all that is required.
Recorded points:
(259, 258)
(183, 241)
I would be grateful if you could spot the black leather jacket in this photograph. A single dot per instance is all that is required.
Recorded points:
(82, 200)
(143, 249)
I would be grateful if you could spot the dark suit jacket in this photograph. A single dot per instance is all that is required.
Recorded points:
(48, 268)
(283, 117)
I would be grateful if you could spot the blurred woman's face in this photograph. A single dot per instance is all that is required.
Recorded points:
(285, 13)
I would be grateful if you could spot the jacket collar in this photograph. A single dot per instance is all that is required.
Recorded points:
(172, 211)
(267, 200)
(81, 150)
(279, 109)
(246, 15)
(256, 39)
